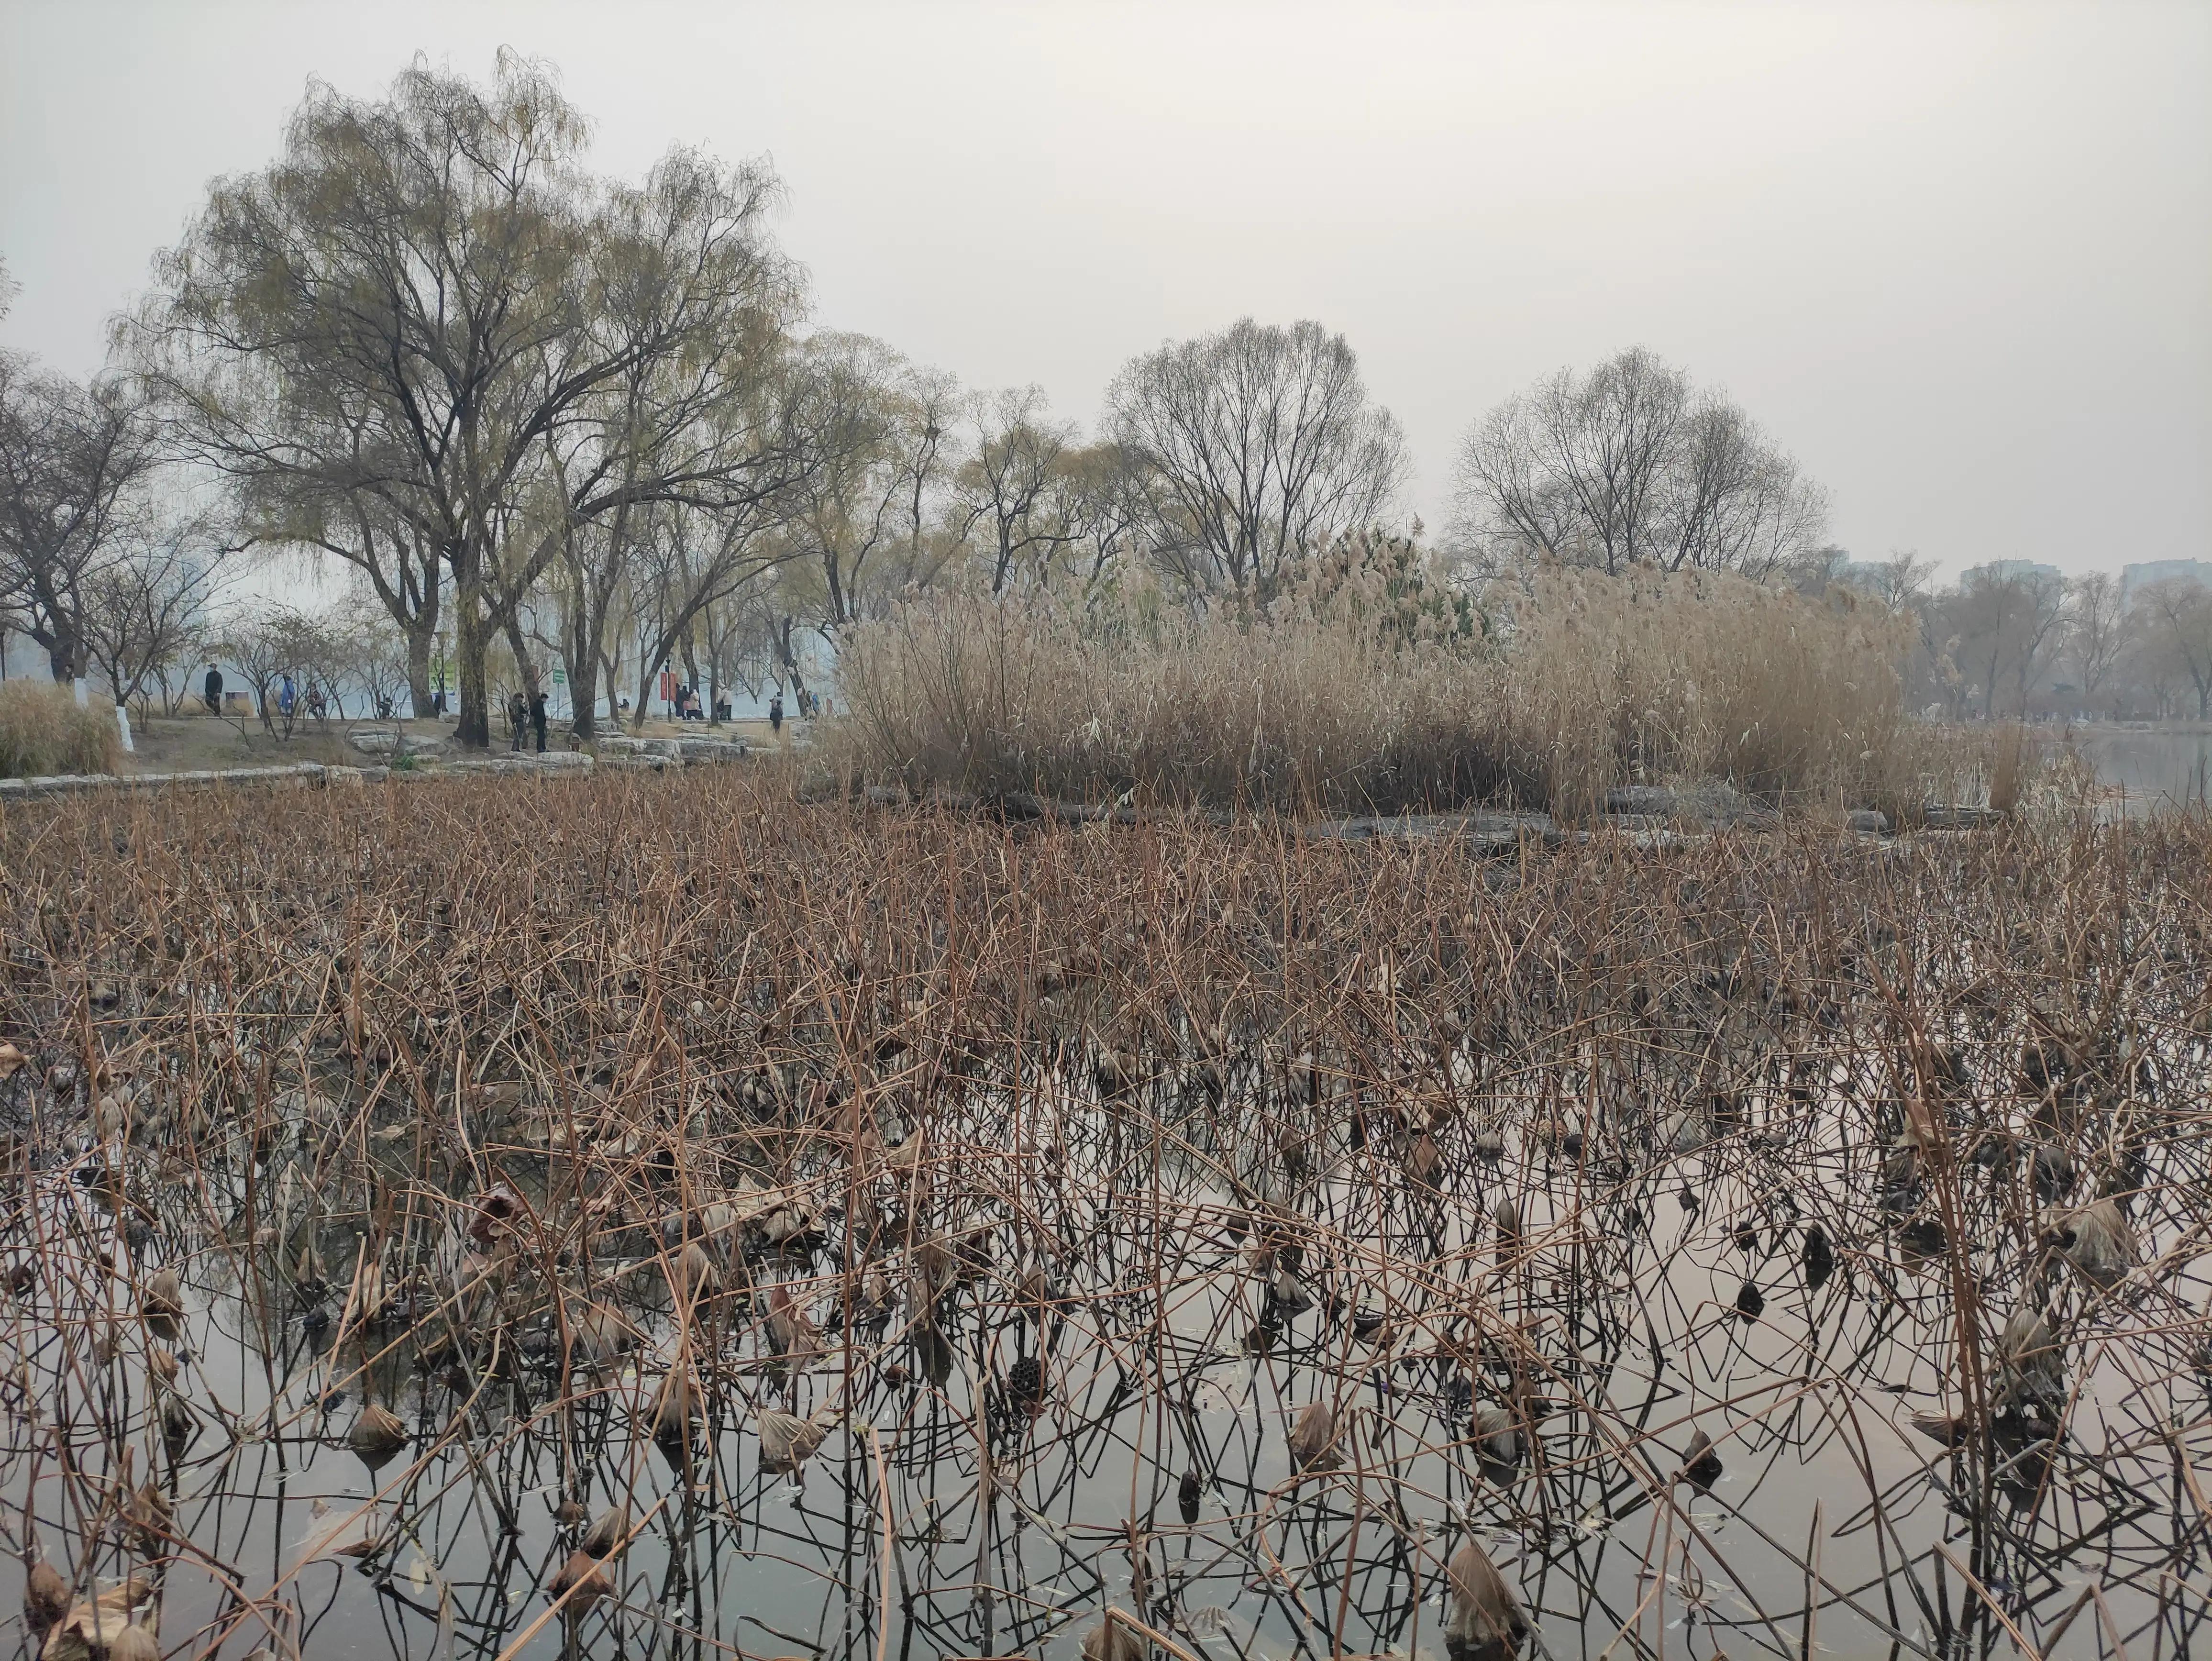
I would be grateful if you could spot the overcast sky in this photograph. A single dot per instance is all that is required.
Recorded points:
(1957, 258)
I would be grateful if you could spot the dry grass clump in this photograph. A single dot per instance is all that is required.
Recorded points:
(1371, 696)
(1643, 679)
(44, 730)
(2036, 777)
(1027, 695)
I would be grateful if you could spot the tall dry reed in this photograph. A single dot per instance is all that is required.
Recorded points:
(43, 730)
(1331, 700)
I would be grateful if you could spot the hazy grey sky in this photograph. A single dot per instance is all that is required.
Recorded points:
(1957, 257)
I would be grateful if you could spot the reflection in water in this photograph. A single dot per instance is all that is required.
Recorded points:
(1767, 1249)
(2155, 766)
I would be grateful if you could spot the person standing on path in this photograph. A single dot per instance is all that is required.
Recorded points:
(211, 690)
(775, 714)
(518, 717)
(537, 720)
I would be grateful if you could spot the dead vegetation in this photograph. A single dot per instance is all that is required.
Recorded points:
(1381, 692)
(44, 730)
(651, 1213)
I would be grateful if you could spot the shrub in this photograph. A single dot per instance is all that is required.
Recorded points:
(44, 730)
(1369, 692)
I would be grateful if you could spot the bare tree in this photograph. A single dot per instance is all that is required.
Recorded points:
(1005, 491)
(272, 641)
(2005, 624)
(1817, 571)
(375, 654)
(2175, 616)
(1734, 502)
(1633, 463)
(1902, 582)
(1257, 444)
(2096, 630)
(928, 402)
(2042, 623)
(1902, 579)
(1103, 506)
(74, 461)
(146, 609)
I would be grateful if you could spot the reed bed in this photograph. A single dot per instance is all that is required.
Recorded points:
(1377, 696)
(654, 1216)
(43, 730)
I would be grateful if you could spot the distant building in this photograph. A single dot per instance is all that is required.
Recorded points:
(2134, 577)
(2011, 571)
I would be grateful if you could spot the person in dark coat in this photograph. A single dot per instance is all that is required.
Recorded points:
(538, 721)
(775, 714)
(211, 690)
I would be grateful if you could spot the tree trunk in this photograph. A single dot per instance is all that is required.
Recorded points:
(789, 659)
(690, 661)
(470, 642)
(584, 694)
(419, 641)
(583, 674)
(716, 644)
(580, 643)
(524, 664)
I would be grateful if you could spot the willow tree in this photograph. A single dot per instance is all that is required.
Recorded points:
(863, 525)
(402, 320)
(669, 472)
